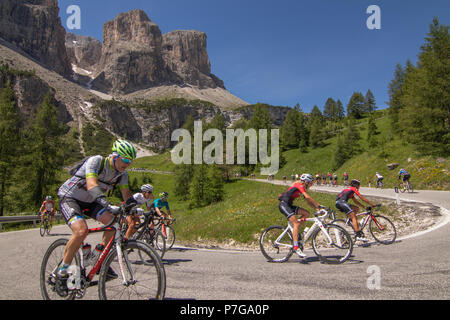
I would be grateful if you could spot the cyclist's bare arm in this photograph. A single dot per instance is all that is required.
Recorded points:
(367, 201)
(312, 203)
(126, 194)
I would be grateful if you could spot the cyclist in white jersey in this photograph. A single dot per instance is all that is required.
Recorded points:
(84, 194)
(138, 199)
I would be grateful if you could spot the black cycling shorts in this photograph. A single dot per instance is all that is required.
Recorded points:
(344, 206)
(406, 177)
(287, 210)
(72, 208)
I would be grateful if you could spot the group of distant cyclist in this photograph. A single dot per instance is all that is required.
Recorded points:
(323, 179)
(298, 215)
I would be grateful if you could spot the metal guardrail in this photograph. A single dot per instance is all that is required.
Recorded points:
(33, 218)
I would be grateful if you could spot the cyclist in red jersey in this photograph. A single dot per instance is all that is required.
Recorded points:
(349, 209)
(290, 211)
(48, 207)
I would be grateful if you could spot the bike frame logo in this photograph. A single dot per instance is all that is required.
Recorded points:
(213, 153)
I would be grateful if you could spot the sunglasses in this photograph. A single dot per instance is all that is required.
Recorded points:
(126, 161)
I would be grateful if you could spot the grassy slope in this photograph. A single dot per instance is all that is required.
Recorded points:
(426, 172)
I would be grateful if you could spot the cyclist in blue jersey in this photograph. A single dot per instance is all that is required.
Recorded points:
(158, 204)
(405, 174)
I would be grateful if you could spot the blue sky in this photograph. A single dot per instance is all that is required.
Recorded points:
(289, 51)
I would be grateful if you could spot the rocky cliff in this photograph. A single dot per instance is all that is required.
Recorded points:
(131, 55)
(136, 56)
(34, 27)
(83, 52)
(184, 52)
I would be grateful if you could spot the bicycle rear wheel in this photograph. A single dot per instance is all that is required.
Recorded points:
(275, 244)
(382, 229)
(53, 288)
(144, 274)
(348, 227)
(338, 250)
(402, 188)
(155, 239)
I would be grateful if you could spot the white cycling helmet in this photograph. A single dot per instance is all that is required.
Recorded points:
(147, 188)
(306, 177)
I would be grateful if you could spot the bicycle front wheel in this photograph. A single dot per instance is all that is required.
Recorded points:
(402, 188)
(53, 288)
(333, 245)
(155, 239)
(276, 244)
(169, 235)
(143, 277)
(42, 228)
(382, 229)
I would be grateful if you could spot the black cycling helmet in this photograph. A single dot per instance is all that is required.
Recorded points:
(355, 183)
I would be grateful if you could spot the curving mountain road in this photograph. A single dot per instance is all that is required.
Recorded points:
(415, 267)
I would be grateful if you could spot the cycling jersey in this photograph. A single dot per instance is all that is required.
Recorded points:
(404, 172)
(140, 199)
(158, 203)
(75, 187)
(379, 176)
(292, 193)
(348, 193)
(48, 205)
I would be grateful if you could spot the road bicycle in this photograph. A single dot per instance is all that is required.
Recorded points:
(164, 225)
(405, 187)
(331, 243)
(380, 227)
(44, 227)
(141, 273)
(151, 236)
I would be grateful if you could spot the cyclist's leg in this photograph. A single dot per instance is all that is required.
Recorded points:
(100, 214)
(132, 222)
(290, 213)
(350, 211)
(71, 211)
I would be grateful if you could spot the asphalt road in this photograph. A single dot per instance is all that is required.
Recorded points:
(416, 267)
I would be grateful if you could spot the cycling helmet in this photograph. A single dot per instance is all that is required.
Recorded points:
(124, 149)
(355, 183)
(306, 177)
(163, 195)
(147, 188)
(48, 198)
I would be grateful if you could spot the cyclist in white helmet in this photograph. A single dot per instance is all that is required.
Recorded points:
(138, 199)
(290, 211)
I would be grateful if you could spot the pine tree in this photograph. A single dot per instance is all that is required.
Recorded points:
(199, 187)
(183, 178)
(289, 131)
(215, 192)
(10, 140)
(425, 117)
(395, 92)
(316, 134)
(329, 110)
(355, 106)
(44, 154)
(369, 102)
(340, 112)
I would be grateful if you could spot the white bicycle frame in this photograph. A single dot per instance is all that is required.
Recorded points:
(317, 224)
